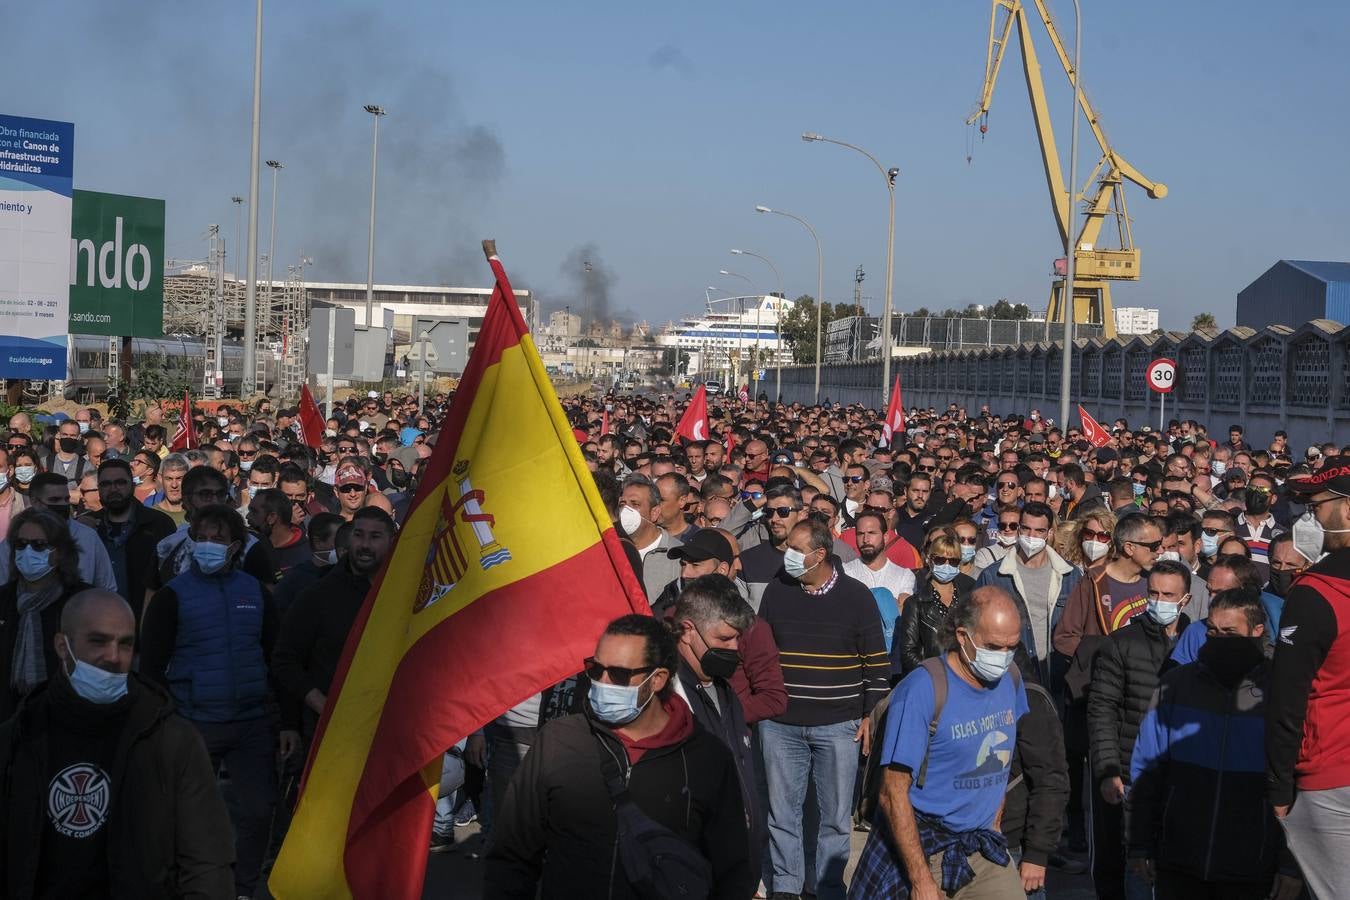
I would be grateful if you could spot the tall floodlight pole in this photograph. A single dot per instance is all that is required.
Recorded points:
(890, 175)
(272, 231)
(238, 229)
(758, 293)
(1070, 248)
(820, 287)
(375, 113)
(251, 290)
(778, 331)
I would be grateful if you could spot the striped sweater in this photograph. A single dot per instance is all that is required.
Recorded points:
(831, 649)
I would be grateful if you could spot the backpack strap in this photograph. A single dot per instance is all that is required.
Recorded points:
(937, 671)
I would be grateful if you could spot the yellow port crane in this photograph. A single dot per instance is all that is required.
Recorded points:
(1095, 267)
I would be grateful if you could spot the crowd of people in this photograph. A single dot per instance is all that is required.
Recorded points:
(945, 664)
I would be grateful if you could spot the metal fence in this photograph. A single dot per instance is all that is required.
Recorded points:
(1295, 379)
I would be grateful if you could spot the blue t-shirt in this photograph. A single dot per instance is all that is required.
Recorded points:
(972, 749)
(889, 610)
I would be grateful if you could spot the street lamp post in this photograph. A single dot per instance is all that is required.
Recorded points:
(238, 228)
(759, 309)
(271, 244)
(820, 287)
(890, 175)
(251, 290)
(754, 288)
(375, 113)
(1070, 248)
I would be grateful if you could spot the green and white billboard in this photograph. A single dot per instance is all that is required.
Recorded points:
(116, 265)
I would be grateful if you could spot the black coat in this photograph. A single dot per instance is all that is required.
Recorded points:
(168, 833)
(557, 829)
(1033, 810)
(9, 636)
(919, 635)
(1125, 674)
(148, 528)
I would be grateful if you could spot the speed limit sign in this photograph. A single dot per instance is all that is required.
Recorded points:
(1162, 375)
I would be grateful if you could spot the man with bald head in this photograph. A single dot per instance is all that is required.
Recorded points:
(76, 791)
(946, 750)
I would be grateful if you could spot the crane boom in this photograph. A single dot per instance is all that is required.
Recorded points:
(1094, 264)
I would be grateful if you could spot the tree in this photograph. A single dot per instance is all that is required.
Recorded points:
(1204, 322)
(798, 326)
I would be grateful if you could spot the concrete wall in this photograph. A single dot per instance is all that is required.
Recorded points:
(1297, 380)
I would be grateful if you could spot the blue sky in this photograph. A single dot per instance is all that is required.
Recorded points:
(642, 137)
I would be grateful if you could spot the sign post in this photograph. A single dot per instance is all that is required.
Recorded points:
(1162, 377)
(36, 174)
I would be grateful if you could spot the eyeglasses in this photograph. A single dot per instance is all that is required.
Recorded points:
(1008, 526)
(783, 512)
(351, 488)
(1007, 485)
(944, 560)
(1100, 537)
(347, 449)
(1215, 532)
(752, 495)
(929, 469)
(968, 541)
(1313, 504)
(1265, 490)
(877, 509)
(247, 454)
(1151, 546)
(39, 545)
(855, 479)
(620, 675)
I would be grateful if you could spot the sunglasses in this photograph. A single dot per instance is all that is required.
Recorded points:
(351, 488)
(39, 545)
(346, 449)
(620, 675)
(752, 495)
(1101, 537)
(877, 509)
(968, 541)
(1151, 546)
(855, 479)
(1008, 526)
(1215, 532)
(929, 469)
(1007, 485)
(944, 560)
(247, 454)
(782, 512)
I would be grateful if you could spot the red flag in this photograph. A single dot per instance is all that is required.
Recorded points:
(731, 442)
(470, 564)
(311, 419)
(1095, 434)
(694, 423)
(185, 437)
(895, 416)
(604, 423)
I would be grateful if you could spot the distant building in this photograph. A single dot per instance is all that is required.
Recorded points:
(1136, 320)
(564, 324)
(1293, 292)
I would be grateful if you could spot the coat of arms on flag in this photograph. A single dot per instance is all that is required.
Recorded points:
(447, 559)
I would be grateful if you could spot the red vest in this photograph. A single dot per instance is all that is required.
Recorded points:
(1323, 760)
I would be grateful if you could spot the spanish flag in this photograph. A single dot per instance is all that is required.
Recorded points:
(502, 579)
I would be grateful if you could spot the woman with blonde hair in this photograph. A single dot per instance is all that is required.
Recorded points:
(937, 586)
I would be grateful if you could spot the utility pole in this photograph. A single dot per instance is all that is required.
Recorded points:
(376, 112)
(251, 291)
(1070, 248)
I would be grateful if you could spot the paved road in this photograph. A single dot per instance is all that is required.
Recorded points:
(454, 876)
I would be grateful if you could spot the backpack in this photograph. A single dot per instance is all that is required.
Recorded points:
(658, 863)
(870, 795)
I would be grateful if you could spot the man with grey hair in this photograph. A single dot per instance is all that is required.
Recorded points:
(169, 499)
(639, 511)
(708, 621)
(947, 746)
(77, 792)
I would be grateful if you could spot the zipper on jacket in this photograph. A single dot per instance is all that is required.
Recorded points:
(614, 857)
(1218, 782)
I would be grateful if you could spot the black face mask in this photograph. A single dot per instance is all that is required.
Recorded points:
(1230, 657)
(1280, 582)
(68, 444)
(718, 662)
(399, 478)
(1257, 502)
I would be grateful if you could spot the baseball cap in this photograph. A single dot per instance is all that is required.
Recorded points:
(703, 546)
(349, 474)
(1334, 477)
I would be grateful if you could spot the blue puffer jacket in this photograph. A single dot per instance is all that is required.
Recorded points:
(218, 672)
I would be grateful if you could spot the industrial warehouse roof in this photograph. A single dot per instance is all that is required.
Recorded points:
(1322, 271)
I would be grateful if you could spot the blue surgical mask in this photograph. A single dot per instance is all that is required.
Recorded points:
(794, 563)
(245, 465)
(33, 564)
(1162, 611)
(84, 427)
(1139, 489)
(4, 480)
(209, 557)
(967, 552)
(1209, 544)
(988, 665)
(945, 574)
(1218, 467)
(617, 704)
(94, 684)
(25, 474)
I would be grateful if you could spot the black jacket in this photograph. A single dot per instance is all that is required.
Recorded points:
(1125, 673)
(168, 833)
(557, 828)
(148, 528)
(726, 719)
(919, 634)
(9, 636)
(1033, 809)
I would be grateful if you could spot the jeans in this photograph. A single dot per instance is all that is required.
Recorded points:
(248, 750)
(826, 757)
(1111, 877)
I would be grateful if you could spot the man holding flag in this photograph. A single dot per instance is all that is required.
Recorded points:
(476, 558)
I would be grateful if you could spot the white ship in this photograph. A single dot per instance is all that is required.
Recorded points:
(731, 329)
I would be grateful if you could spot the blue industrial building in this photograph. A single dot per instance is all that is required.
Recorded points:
(1293, 292)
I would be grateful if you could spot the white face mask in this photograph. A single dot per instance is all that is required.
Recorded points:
(1030, 546)
(1309, 535)
(1006, 539)
(630, 520)
(1094, 550)
(1052, 492)
(1171, 555)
